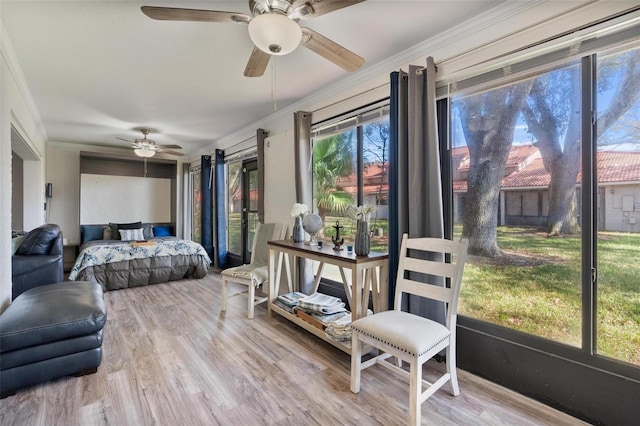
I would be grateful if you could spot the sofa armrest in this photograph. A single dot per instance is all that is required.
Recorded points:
(57, 248)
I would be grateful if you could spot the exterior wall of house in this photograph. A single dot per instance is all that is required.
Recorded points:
(525, 208)
(621, 208)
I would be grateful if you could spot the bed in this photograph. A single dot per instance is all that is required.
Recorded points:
(133, 262)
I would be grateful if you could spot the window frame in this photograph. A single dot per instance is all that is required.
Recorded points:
(586, 354)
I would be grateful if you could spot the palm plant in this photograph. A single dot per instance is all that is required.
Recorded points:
(332, 159)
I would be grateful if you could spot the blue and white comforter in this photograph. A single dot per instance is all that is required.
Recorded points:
(109, 251)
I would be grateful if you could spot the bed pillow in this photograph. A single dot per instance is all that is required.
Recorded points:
(147, 231)
(161, 231)
(131, 234)
(91, 233)
(115, 235)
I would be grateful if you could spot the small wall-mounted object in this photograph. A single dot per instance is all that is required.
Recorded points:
(627, 203)
(48, 190)
(637, 207)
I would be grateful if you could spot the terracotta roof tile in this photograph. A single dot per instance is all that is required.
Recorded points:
(613, 167)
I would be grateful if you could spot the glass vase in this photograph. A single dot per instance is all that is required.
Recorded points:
(298, 231)
(362, 244)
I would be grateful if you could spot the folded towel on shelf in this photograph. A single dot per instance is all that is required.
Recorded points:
(322, 303)
(291, 299)
(340, 329)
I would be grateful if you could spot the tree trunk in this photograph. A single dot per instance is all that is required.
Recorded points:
(480, 217)
(563, 214)
(556, 99)
(488, 121)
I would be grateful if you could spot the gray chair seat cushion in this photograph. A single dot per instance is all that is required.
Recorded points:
(403, 331)
(51, 313)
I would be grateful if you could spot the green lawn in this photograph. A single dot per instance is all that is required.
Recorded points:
(540, 291)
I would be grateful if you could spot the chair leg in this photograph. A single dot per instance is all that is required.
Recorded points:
(451, 368)
(223, 303)
(356, 359)
(415, 392)
(251, 298)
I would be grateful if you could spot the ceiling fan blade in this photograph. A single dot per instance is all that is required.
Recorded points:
(258, 62)
(169, 146)
(179, 14)
(330, 50)
(123, 139)
(168, 151)
(306, 9)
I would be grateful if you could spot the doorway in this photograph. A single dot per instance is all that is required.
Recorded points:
(243, 210)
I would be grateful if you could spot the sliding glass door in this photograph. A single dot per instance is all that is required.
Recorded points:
(242, 209)
(550, 257)
(515, 158)
(618, 212)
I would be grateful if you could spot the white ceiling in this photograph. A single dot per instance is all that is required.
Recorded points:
(98, 70)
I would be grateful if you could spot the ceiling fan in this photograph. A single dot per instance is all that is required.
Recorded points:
(274, 29)
(144, 147)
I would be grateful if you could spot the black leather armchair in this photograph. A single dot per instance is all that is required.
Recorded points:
(38, 260)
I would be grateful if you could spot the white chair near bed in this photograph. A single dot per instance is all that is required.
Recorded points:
(256, 273)
(412, 338)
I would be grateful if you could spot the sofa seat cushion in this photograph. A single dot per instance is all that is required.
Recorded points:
(51, 313)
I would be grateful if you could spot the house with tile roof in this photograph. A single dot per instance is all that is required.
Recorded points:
(524, 196)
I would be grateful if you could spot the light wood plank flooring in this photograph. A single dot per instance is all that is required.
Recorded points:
(171, 358)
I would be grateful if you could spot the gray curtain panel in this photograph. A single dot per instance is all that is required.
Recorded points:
(304, 182)
(416, 187)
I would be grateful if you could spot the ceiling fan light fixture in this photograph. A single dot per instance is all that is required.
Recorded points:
(144, 152)
(274, 33)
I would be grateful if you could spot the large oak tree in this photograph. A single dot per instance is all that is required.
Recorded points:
(553, 116)
(488, 123)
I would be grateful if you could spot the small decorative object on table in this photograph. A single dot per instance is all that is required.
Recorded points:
(337, 241)
(312, 223)
(297, 212)
(362, 244)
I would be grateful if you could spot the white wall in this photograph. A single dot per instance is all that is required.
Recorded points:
(17, 109)
(622, 208)
(122, 199)
(63, 171)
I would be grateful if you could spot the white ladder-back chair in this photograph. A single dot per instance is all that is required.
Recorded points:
(412, 338)
(256, 273)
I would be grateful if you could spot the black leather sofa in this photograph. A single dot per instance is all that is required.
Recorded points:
(51, 331)
(38, 259)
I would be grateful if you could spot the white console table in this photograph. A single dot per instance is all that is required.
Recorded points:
(369, 273)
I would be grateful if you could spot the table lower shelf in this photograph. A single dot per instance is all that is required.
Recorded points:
(311, 328)
(343, 346)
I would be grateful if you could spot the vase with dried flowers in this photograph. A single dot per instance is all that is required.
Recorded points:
(362, 244)
(297, 212)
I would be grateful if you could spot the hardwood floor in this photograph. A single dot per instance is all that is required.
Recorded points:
(171, 358)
